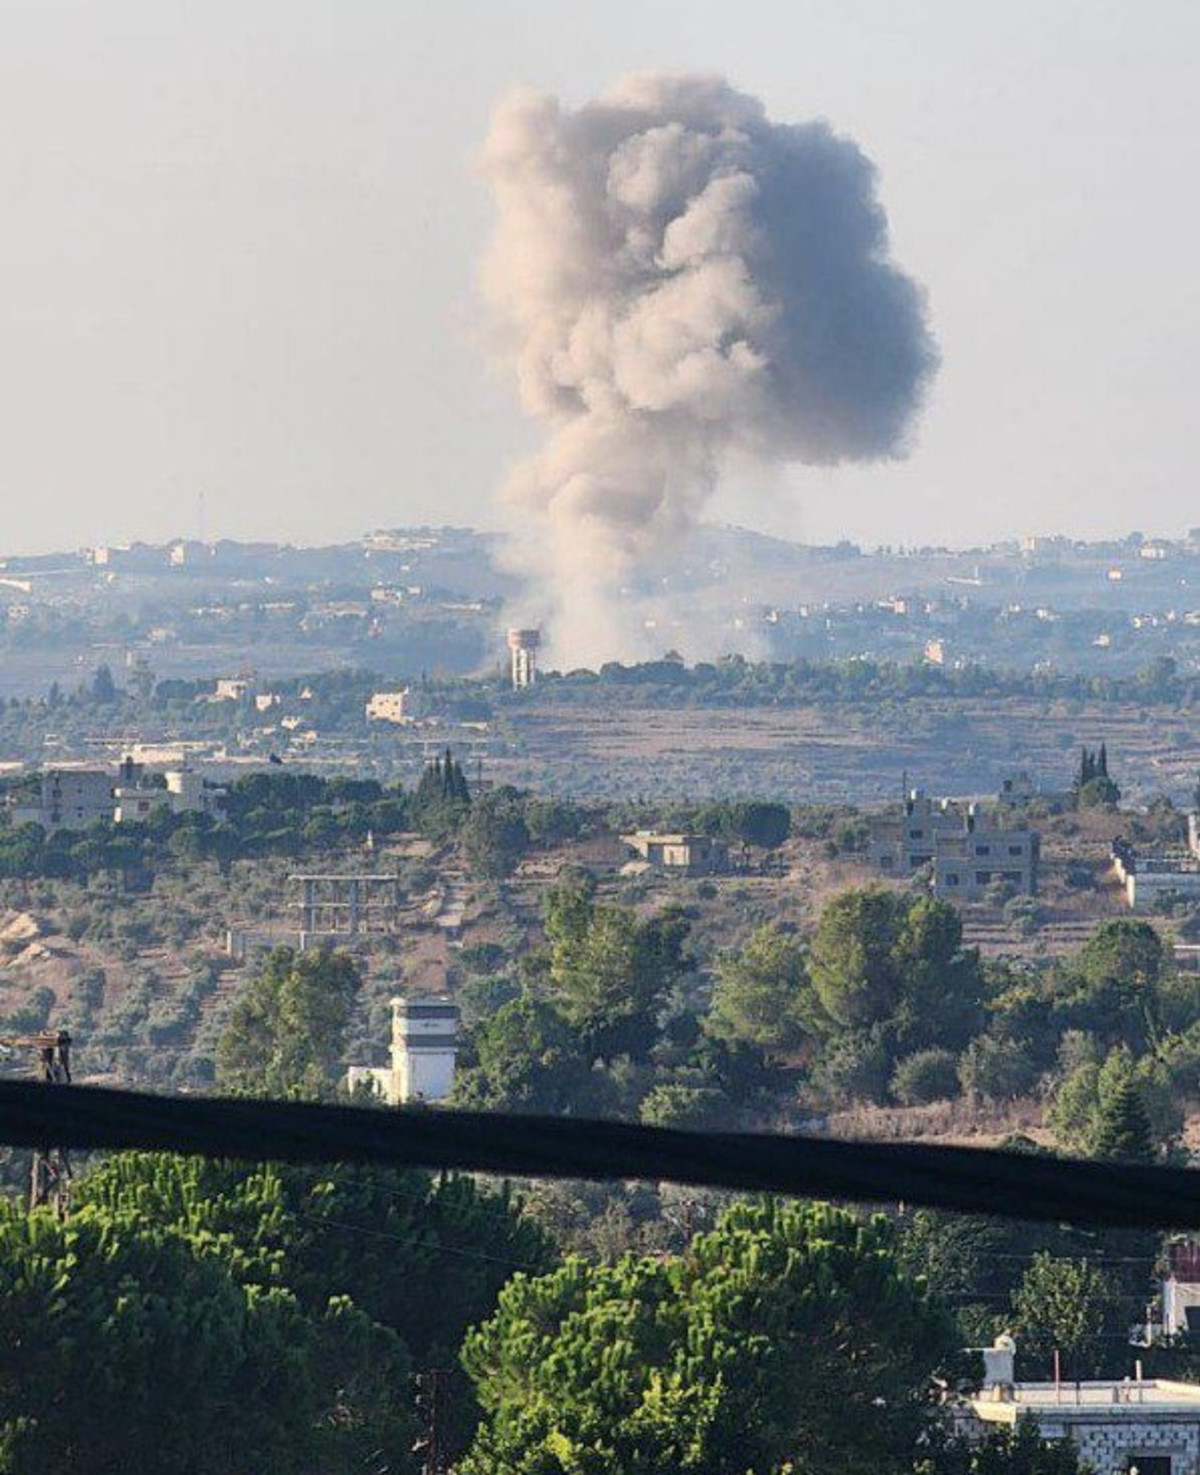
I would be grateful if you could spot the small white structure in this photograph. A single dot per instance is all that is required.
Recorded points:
(424, 1047)
(424, 1050)
(388, 706)
(231, 689)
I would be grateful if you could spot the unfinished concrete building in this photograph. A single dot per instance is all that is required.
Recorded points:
(966, 851)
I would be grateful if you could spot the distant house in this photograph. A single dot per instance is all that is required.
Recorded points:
(966, 851)
(231, 688)
(69, 799)
(388, 706)
(685, 855)
(181, 790)
(1153, 877)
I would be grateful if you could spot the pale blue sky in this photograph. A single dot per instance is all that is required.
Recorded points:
(240, 238)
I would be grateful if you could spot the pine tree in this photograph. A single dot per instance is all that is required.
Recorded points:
(1123, 1132)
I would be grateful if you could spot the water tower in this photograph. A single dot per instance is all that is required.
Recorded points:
(523, 647)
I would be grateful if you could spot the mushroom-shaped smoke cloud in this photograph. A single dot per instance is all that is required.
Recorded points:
(677, 277)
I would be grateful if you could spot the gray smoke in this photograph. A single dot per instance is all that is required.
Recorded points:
(677, 278)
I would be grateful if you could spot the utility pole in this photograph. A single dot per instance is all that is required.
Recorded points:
(431, 1411)
(50, 1169)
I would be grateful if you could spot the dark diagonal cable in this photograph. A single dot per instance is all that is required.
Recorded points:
(971, 1180)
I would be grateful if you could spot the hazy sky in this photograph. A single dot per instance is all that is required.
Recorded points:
(240, 240)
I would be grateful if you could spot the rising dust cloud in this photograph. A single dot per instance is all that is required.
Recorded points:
(676, 278)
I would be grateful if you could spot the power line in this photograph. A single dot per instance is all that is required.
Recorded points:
(971, 1180)
(436, 1247)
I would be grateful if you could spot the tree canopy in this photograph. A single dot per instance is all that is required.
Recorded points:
(724, 1359)
(286, 1033)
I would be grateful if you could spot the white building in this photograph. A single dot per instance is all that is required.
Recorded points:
(183, 791)
(1181, 1290)
(523, 646)
(1148, 1425)
(424, 1050)
(231, 688)
(388, 706)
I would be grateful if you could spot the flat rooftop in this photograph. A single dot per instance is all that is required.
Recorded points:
(1126, 1398)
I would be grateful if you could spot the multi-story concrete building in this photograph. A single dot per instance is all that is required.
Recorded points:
(966, 851)
(70, 799)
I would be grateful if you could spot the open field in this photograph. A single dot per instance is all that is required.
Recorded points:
(840, 752)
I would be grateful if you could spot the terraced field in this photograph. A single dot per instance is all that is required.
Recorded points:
(857, 753)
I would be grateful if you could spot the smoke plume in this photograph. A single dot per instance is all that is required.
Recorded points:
(676, 278)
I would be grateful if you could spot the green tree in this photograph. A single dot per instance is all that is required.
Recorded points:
(924, 1076)
(1123, 1132)
(1065, 1305)
(494, 835)
(121, 1348)
(1113, 987)
(1093, 1100)
(993, 1068)
(884, 959)
(526, 1058)
(104, 688)
(680, 1104)
(609, 970)
(759, 997)
(424, 1255)
(286, 1034)
(1017, 1451)
(723, 1360)
(760, 822)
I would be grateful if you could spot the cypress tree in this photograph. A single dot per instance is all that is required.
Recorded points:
(1102, 762)
(1123, 1131)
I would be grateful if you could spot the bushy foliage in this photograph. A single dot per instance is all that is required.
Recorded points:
(924, 1076)
(170, 1363)
(286, 1033)
(721, 1360)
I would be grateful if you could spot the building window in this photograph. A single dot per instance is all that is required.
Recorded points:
(1016, 849)
(951, 879)
(916, 834)
(983, 850)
